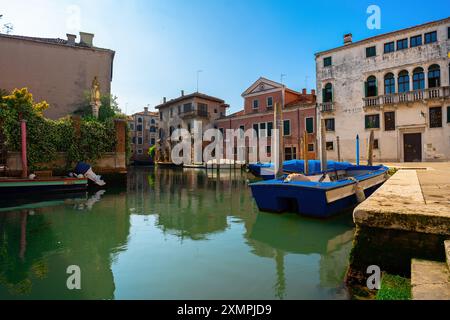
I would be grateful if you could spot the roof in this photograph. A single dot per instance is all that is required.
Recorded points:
(190, 96)
(149, 113)
(385, 35)
(270, 82)
(55, 41)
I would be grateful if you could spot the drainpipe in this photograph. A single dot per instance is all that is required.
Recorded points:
(23, 129)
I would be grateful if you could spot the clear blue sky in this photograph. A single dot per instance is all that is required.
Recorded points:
(161, 44)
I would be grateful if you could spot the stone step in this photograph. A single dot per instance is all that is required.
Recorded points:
(430, 280)
(447, 252)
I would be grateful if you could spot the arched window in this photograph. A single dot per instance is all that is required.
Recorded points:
(139, 120)
(418, 79)
(152, 121)
(371, 87)
(403, 81)
(389, 84)
(434, 76)
(328, 93)
(152, 129)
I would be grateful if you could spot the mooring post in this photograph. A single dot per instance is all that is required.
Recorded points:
(278, 139)
(338, 148)
(370, 151)
(323, 146)
(305, 153)
(357, 149)
(23, 130)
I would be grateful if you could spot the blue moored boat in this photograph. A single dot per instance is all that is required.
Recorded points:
(321, 195)
(266, 170)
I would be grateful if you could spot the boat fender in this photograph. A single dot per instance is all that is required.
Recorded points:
(359, 191)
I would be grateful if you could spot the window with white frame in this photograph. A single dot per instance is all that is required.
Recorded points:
(269, 102)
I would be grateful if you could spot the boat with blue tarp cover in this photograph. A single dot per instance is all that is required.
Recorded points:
(266, 170)
(320, 194)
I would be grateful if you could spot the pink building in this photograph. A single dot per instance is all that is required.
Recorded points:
(299, 114)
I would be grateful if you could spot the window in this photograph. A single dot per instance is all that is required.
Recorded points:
(375, 144)
(389, 121)
(402, 44)
(269, 128)
(262, 129)
(371, 87)
(241, 131)
(448, 33)
(434, 76)
(133, 140)
(215, 110)
(255, 104)
(179, 109)
(139, 120)
(389, 47)
(290, 153)
(202, 109)
(221, 131)
(139, 127)
(152, 129)
(268, 149)
(187, 107)
(139, 140)
(389, 84)
(448, 114)
(329, 124)
(403, 81)
(152, 141)
(160, 115)
(327, 94)
(435, 117)
(256, 129)
(132, 126)
(309, 124)
(171, 112)
(430, 37)
(269, 102)
(310, 147)
(371, 52)
(416, 41)
(152, 121)
(139, 151)
(286, 127)
(327, 61)
(372, 121)
(330, 146)
(418, 79)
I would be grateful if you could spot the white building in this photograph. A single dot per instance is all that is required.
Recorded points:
(396, 84)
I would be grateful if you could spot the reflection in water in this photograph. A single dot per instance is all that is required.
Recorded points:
(172, 234)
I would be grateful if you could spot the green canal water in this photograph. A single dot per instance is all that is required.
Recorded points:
(170, 234)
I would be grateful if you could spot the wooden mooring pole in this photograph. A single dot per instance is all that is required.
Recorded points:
(370, 150)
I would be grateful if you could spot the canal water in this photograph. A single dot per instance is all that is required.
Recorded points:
(170, 234)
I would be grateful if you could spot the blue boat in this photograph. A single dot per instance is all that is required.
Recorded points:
(322, 195)
(266, 170)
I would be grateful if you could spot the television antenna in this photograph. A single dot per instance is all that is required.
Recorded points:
(8, 27)
(282, 76)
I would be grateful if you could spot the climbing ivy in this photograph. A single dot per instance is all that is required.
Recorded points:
(45, 137)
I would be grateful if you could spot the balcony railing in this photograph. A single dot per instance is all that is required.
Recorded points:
(327, 107)
(194, 114)
(407, 97)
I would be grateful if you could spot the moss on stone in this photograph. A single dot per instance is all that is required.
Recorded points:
(394, 288)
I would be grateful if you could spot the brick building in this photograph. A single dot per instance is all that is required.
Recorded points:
(144, 133)
(299, 114)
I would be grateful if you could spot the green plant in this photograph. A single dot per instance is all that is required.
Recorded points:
(394, 288)
(45, 137)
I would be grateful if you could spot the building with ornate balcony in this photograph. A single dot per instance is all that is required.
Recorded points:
(183, 111)
(299, 115)
(143, 128)
(396, 84)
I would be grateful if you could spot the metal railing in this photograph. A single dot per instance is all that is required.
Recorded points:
(327, 107)
(194, 113)
(406, 97)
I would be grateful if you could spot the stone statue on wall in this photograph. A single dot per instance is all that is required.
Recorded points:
(95, 97)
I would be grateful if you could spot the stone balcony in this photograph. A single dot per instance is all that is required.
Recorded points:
(194, 114)
(424, 95)
(326, 107)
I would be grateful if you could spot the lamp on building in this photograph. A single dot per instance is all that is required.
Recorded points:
(422, 113)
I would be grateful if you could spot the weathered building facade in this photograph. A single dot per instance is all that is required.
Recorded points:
(396, 84)
(60, 71)
(143, 128)
(299, 115)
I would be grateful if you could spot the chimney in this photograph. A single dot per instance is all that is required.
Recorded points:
(303, 91)
(182, 93)
(313, 92)
(164, 100)
(86, 38)
(71, 39)
(145, 110)
(348, 39)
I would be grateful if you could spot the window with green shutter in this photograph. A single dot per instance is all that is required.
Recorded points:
(448, 114)
(372, 121)
(309, 125)
(286, 127)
